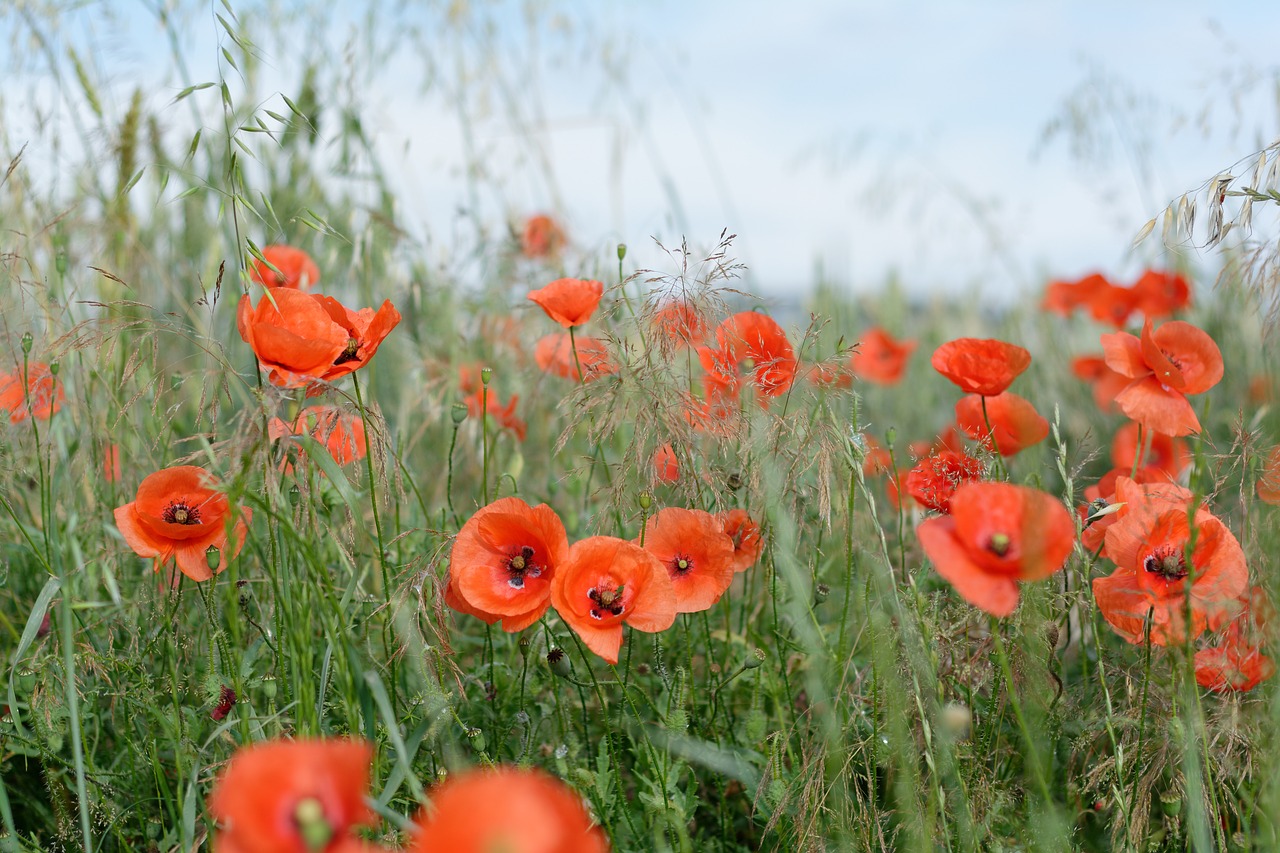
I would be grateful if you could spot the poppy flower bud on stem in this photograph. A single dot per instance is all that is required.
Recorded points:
(622, 251)
(294, 496)
(646, 500)
(459, 413)
(525, 644)
(27, 341)
(53, 368)
(890, 436)
(486, 373)
(213, 556)
(269, 686)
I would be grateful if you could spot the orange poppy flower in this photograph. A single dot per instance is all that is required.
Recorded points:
(752, 343)
(554, 355)
(606, 583)
(980, 366)
(1148, 542)
(692, 546)
(569, 301)
(504, 415)
(666, 467)
(469, 377)
(829, 375)
(1112, 304)
(1165, 453)
(1064, 297)
(948, 439)
(1015, 423)
(1105, 382)
(879, 358)
(679, 324)
(1269, 482)
(1260, 389)
(1237, 664)
(342, 433)
(41, 396)
(1159, 294)
(996, 535)
(935, 479)
(744, 532)
(458, 603)
(302, 796)
(179, 515)
(1164, 366)
(876, 459)
(295, 268)
(505, 559)
(1149, 483)
(506, 809)
(541, 237)
(302, 337)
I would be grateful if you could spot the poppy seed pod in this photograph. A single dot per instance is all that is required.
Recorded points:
(558, 662)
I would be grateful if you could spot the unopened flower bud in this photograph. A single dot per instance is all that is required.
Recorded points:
(486, 373)
(524, 644)
(213, 556)
(559, 662)
(890, 436)
(27, 341)
(458, 413)
(54, 367)
(646, 500)
(269, 686)
(622, 251)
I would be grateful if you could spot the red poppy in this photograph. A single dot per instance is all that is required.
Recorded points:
(178, 514)
(469, 381)
(753, 344)
(948, 439)
(506, 809)
(935, 479)
(505, 560)
(1113, 304)
(1237, 664)
(1159, 294)
(342, 433)
(293, 268)
(980, 366)
(1260, 389)
(679, 324)
(829, 375)
(41, 396)
(554, 355)
(1269, 482)
(1015, 423)
(879, 358)
(876, 460)
(303, 796)
(569, 301)
(1149, 483)
(1105, 382)
(666, 467)
(541, 237)
(606, 583)
(692, 546)
(302, 337)
(744, 532)
(504, 415)
(1165, 453)
(1164, 366)
(1064, 297)
(996, 535)
(1149, 544)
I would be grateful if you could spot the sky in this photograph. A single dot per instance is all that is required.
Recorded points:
(853, 140)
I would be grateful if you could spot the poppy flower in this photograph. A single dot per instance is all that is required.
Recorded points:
(506, 809)
(827, 375)
(1149, 483)
(1237, 664)
(1164, 366)
(1269, 482)
(302, 338)
(752, 344)
(503, 414)
(1260, 389)
(935, 479)
(469, 377)
(458, 603)
(980, 366)
(879, 358)
(996, 535)
(876, 460)
(692, 546)
(1113, 304)
(342, 433)
(1105, 382)
(302, 796)
(948, 439)
(41, 396)
(179, 515)
(505, 559)
(1015, 423)
(569, 301)
(1159, 294)
(1165, 453)
(541, 237)
(554, 355)
(666, 467)
(605, 583)
(1149, 544)
(1064, 297)
(744, 533)
(293, 268)
(678, 323)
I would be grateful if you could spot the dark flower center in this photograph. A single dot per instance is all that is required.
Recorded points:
(609, 601)
(682, 564)
(180, 512)
(349, 352)
(999, 544)
(521, 565)
(1166, 562)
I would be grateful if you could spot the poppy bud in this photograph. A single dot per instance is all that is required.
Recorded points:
(53, 368)
(294, 495)
(269, 686)
(459, 412)
(755, 659)
(27, 340)
(60, 263)
(26, 680)
(622, 251)
(476, 736)
(486, 373)
(524, 645)
(646, 500)
(213, 556)
(890, 436)
(559, 662)
(820, 593)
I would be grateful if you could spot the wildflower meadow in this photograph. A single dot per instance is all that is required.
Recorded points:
(310, 543)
